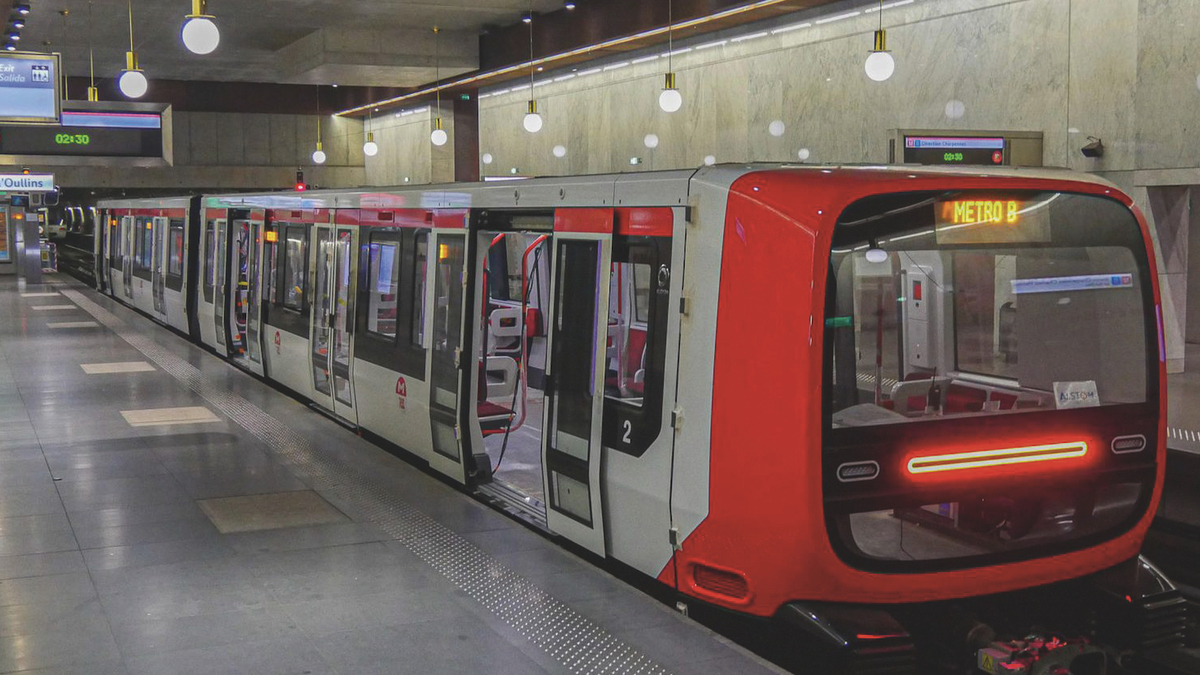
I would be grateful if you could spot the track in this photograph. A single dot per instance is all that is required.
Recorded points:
(75, 257)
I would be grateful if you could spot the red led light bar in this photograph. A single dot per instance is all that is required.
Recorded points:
(984, 458)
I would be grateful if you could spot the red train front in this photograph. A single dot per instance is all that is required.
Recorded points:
(930, 388)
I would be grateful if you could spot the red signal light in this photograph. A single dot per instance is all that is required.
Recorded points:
(301, 187)
(1001, 457)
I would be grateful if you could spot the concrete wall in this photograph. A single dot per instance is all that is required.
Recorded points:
(241, 151)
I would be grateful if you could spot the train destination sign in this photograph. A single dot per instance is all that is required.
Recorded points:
(27, 182)
(29, 88)
(953, 150)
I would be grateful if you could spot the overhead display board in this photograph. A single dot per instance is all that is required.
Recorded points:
(953, 150)
(88, 134)
(29, 88)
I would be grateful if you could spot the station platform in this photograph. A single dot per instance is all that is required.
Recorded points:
(163, 512)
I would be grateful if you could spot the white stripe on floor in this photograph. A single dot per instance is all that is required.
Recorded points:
(123, 367)
(158, 417)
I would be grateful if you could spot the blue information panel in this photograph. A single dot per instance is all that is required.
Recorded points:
(29, 87)
(953, 150)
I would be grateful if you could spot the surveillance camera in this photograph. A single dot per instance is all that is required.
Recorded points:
(1093, 150)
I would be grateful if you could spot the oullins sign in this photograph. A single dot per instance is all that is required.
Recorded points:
(27, 182)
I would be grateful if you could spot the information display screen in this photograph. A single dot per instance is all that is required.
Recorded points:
(953, 150)
(3, 235)
(29, 87)
(90, 134)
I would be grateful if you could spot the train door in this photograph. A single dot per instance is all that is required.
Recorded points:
(333, 321)
(221, 277)
(447, 299)
(100, 252)
(129, 235)
(244, 309)
(158, 283)
(575, 372)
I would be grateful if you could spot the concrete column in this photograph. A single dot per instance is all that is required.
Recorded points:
(30, 267)
(466, 139)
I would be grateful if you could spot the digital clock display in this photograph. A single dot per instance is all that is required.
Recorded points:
(72, 139)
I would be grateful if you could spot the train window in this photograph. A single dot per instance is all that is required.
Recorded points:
(420, 260)
(639, 293)
(270, 265)
(383, 277)
(629, 313)
(116, 245)
(147, 230)
(933, 317)
(295, 267)
(210, 259)
(175, 253)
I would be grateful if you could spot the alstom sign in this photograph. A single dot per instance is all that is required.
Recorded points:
(27, 182)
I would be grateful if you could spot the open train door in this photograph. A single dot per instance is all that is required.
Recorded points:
(444, 335)
(576, 367)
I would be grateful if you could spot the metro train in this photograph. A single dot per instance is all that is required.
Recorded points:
(889, 411)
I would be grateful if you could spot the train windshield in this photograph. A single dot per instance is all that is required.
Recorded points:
(984, 351)
(963, 304)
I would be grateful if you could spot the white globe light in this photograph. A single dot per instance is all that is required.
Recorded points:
(709, 160)
(804, 154)
(133, 83)
(487, 158)
(319, 157)
(880, 66)
(200, 35)
(533, 122)
(777, 128)
(560, 151)
(651, 141)
(670, 100)
(876, 255)
(955, 109)
(370, 148)
(439, 137)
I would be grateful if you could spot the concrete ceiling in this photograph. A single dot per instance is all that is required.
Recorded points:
(346, 42)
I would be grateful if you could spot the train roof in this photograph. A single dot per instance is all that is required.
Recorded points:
(655, 188)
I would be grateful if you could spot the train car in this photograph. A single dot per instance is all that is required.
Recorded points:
(876, 407)
(142, 257)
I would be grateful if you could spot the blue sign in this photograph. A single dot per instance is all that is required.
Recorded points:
(28, 87)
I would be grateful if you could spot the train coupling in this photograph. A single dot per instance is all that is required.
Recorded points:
(1043, 655)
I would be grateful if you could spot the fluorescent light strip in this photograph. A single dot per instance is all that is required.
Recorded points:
(564, 78)
(788, 29)
(483, 96)
(752, 36)
(615, 66)
(710, 45)
(521, 87)
(590, 71)
(645, 59)
(890, 5)
(839, 17)
(579, 51)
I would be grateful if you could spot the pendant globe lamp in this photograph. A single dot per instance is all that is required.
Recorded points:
(200, 33)
(670, 100)
(880, 65)
(133, 81)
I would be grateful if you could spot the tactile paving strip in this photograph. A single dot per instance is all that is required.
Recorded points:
(567, 636)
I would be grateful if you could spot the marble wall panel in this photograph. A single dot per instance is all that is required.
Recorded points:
(231, 139)
(1167, 79)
